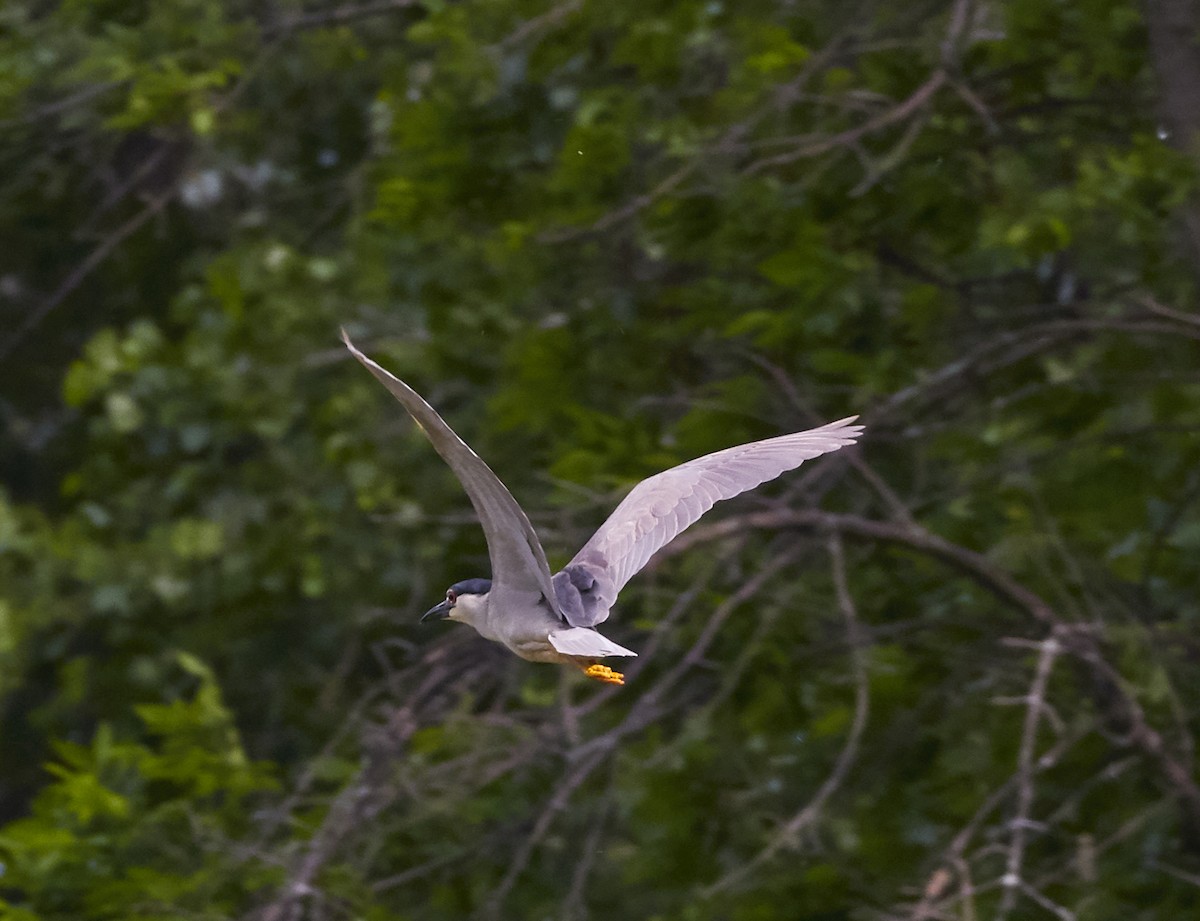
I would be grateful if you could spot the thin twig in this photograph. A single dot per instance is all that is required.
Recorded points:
(1154, 306)
(897, 113)
(788, 834)
(338, 15)
(557, 802)
(1078, 639)
(94, 259)
(574, 904)
(80, 96)
(540, 23)
(731, 139)
(1013, 881)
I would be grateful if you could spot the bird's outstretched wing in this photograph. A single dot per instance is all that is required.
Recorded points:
(660, 507)
(518, 561)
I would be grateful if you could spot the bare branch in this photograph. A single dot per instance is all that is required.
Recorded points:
(1013, 881)
(1154, 306)
(557, 802)
(84, 94)
(79, 274)
(974, 564)
(730, 139)
(338, 15)
(1078, 639)
(788, 834)
(898, 113)
(573, 903)
(541, 23)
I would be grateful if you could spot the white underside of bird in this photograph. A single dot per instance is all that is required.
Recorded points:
(554, 619)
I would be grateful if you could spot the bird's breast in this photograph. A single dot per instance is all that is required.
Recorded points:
(525, 629)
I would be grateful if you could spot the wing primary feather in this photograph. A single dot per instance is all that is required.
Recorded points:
(516, 555)
(660, 507)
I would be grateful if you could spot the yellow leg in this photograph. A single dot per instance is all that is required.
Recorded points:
(604, 673)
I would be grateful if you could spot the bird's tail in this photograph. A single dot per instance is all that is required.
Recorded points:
(586, 643)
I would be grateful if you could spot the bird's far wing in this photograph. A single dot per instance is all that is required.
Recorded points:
(660, 507)
(518, 561)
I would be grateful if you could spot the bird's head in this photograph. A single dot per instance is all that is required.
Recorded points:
(465, 601)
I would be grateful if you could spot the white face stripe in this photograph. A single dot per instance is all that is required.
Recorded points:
(469, 609)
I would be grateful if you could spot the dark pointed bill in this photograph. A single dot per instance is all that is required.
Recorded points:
(437, 612)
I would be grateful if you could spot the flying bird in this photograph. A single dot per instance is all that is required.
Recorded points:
(546, 618)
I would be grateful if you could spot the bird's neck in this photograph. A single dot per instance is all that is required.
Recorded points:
(473, 610)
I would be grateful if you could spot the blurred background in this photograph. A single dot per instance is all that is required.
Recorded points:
(952, 674)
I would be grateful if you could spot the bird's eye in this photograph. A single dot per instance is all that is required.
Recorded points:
(450, 596)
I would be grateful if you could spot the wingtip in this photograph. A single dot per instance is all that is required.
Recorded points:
(352, 348)
(846, 425)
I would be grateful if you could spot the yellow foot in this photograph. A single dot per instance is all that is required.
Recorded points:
(604, 673)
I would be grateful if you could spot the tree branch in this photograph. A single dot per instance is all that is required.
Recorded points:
(788, 834)
(1079, 639)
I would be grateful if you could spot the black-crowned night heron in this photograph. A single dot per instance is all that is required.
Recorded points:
(553, 619)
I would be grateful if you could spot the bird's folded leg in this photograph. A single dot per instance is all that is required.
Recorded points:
(603, 673)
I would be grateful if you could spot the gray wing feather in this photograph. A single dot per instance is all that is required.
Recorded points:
(518, 561)
(660, 507)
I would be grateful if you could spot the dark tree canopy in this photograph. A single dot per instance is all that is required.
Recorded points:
(952, 674)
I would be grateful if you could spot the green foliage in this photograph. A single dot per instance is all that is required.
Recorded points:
(602, 238)
(140, 827)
